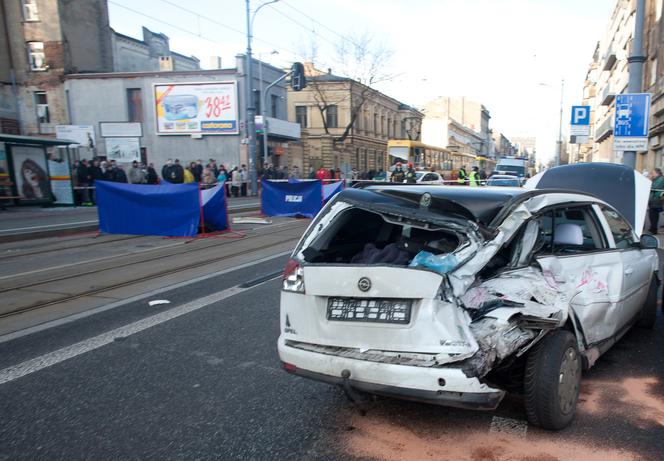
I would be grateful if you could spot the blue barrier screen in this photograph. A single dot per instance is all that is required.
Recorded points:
(170, 210)
(215, 213)
(302, 198)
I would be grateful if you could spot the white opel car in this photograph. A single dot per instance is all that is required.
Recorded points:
(457, 295)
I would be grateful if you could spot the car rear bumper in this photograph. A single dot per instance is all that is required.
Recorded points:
(441, 386)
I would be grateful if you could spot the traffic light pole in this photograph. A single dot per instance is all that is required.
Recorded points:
(264, 111)
(635, 62)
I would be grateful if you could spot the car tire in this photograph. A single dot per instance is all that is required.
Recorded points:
(551, 381)
(649, 309)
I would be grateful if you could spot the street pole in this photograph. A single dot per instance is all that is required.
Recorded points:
(280, 79)
(635, 67)
(251, 110)
(559, 151)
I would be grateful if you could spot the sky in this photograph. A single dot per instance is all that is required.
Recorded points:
(510, 55)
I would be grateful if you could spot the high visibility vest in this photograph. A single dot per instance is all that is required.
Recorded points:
(462, 177)
(474, 179)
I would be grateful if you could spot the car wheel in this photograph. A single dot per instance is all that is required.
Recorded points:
(649, 309)
(551, 381)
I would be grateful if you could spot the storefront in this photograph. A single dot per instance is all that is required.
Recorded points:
(35, 171)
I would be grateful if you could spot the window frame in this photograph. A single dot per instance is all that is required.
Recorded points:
(139, 106)
(332, 116)
(25, 6)
(32, 53)
(599, 209)
(300, 111)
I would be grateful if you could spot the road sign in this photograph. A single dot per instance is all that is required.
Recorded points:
(631, 122)
(580, 115)
(580, 123)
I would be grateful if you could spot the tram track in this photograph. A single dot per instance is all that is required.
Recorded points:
(144, 278)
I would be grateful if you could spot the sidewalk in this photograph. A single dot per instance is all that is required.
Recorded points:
(19, 223)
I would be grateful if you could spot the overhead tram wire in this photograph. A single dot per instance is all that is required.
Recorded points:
(282, 2)
(305, 27)
(198, 34)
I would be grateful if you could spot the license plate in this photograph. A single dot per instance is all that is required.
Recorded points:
(369, 310)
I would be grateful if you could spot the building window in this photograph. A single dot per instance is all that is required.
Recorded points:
(301, 116)
(36, 56)
(274, 105)
(375, 125)
(134, 105)
(257, 101)
(30, 10)
(331, 118)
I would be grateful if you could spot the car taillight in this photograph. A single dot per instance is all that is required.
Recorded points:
(293, 278)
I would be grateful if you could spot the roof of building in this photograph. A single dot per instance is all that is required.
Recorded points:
(35, 140)
(174, 73)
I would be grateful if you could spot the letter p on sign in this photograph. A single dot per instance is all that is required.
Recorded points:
(580, 115)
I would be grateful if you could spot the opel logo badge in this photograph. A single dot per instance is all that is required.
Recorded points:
(425, 200)
(364, 284)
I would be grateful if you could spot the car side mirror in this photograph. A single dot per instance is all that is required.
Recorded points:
(649, 242)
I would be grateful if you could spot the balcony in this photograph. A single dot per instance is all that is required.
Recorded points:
(604, 129)
(607, 95)
(609, 58)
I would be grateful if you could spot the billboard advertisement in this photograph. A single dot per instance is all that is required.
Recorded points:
(196, 108)
(82, 135)
(30, 171)
(123, 150)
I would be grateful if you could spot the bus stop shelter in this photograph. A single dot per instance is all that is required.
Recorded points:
(35, 171)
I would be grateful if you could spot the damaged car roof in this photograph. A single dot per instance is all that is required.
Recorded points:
(478, 204)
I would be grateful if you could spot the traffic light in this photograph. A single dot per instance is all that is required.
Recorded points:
(298, 80)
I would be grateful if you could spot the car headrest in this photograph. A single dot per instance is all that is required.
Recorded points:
(568, 234)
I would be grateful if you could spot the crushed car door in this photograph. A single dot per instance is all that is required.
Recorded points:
(576, 257)
(637, 264)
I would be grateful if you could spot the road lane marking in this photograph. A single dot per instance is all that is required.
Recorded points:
(53, 358)
(516, 427)
(106, 307)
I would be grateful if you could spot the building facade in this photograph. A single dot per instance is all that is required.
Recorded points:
(348, 123)
(458, 122)
(43, 41)
(133, 97)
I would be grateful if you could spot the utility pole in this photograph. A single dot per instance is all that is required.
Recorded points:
(635, 67)
(559, 151)
(251, 110)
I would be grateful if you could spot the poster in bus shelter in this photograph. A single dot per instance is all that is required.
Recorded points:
(60, 176)
(196, 108)
(31, 173)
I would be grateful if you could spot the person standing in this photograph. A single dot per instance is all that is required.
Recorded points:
(212, 165)
(151, 177)
(96, 174)
(208, 179)
(119, 174)
(655, 199)
(136, 174)
(474, 177)
(236, 182)
(398, 175)
(243, 177)
(178, 173)
(83, 179)
(411, 177)
(463, 176)
(197, 170)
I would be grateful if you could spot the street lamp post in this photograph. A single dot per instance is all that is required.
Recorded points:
(251, 110)
(559, 147)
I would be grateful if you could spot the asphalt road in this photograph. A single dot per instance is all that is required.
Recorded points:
(207, 384)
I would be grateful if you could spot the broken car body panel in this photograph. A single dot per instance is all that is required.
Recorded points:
(515, 264)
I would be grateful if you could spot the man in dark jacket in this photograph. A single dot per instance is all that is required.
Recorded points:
(197, 170)
(178, 173)
(96, 174)
(83, 181)
(152, 177)
(120, 175)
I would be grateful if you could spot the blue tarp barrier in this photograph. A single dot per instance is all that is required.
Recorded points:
(332, 188)
(215, 214)
(302, 198)
(171, 210)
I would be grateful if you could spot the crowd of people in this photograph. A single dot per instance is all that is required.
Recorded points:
(85, 173)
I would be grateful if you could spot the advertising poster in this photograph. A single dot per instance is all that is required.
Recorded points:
(82, 135)
(31, 173)
(196, 108)
(123, 150)
(60, 176)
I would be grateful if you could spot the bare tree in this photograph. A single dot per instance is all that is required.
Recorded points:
(361, 61)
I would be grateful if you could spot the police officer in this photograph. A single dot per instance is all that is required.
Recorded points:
(411, 177)
(398, 174)
(474, 179)
(463, 176)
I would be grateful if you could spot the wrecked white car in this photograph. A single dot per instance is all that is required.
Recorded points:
(456, 295)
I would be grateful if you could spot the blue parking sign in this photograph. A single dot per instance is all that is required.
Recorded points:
(632, 115)
(580, 115)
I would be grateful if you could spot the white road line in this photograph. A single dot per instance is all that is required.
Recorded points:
(516, 427)
(106, 307)
(55, 357)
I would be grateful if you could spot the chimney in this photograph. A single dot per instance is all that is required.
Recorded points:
(215, 62)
